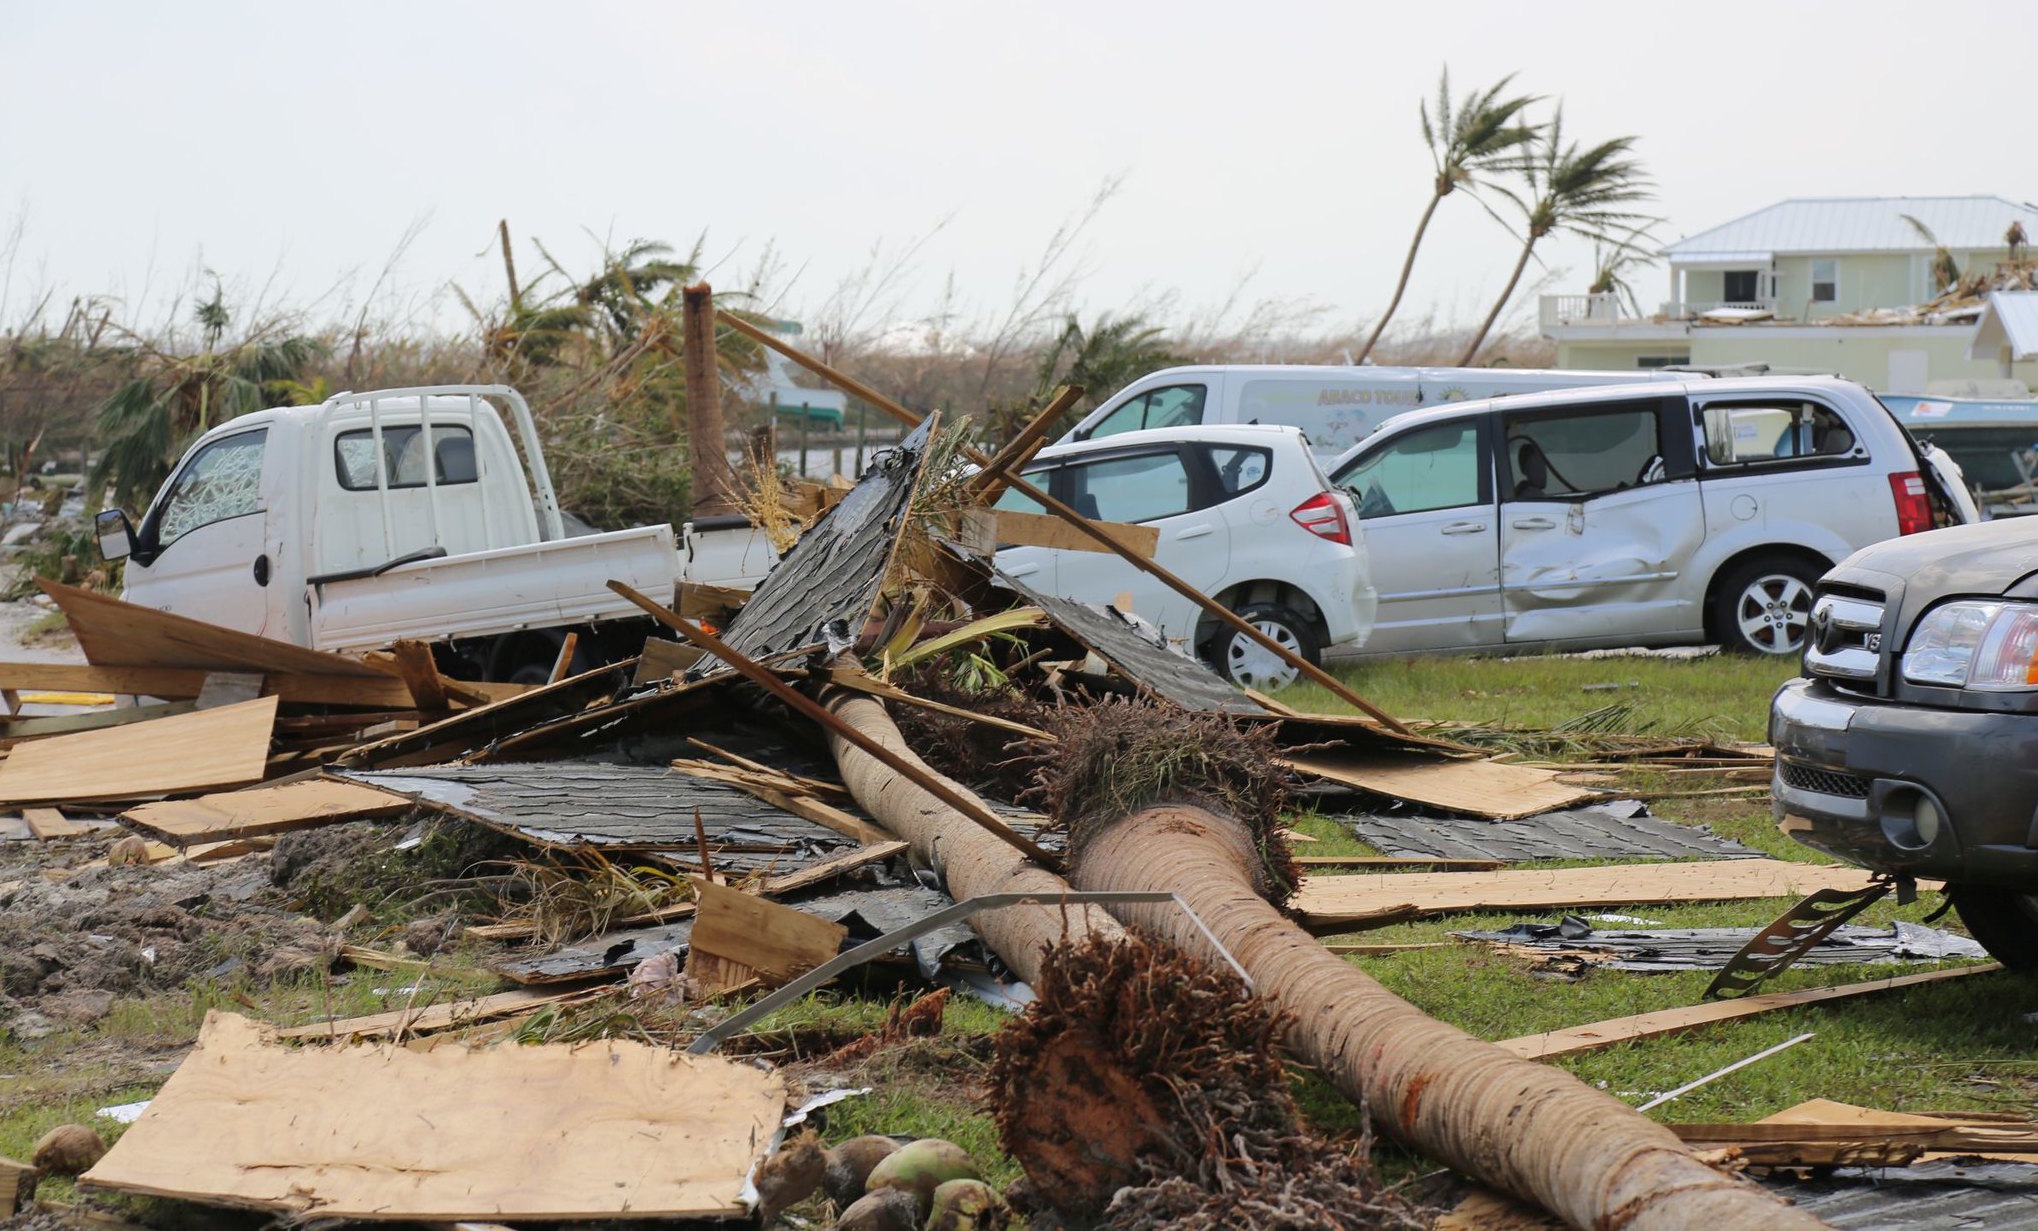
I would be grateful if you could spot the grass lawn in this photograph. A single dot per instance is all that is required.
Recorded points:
(1958, 1045)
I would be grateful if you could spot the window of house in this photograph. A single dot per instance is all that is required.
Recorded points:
(1140, 488)
(1825, 281)
(403, 451)
(1439, 467)
(1661, 361)
(1739, 285)
(1173, 406)
(1564, 457)
(224, 480)
(1753, 432)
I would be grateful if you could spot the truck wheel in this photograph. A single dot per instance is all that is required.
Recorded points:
(1765, 607)
(1248, 665)
(2003, 920)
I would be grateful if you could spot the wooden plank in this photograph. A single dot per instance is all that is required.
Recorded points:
(420, 675)
(1016, 529)
(48, 824)
(1399, 861)
(564, 660)
(1874, 1122)
(184, 683)
(1596, 1035)
(1871, 1138)
(41, 727)
(537, 1133)
(207, 749)
(773, 942)
(800, 804)
(1361, 897)
(849, 677)
(663, 660)
(114, 633)
(17, 1186)
(1479, 788)
(265, 810)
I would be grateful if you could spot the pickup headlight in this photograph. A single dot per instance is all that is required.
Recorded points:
(1986, 646)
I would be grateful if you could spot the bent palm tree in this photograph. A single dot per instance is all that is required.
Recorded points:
(1479, 135)
(1945, 270)
(1585, 192)
(1611, 261)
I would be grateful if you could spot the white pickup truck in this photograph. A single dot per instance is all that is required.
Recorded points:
(325, 526)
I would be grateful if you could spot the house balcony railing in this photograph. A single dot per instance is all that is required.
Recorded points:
(1605, 310)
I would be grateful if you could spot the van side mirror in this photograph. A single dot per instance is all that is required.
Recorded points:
(116, 534)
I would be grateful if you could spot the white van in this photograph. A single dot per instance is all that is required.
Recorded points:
(1336, 407)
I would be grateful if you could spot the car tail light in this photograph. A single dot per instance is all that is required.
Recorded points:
(1323, 516)
(1913, 507)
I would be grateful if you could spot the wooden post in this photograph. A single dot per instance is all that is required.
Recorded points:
(1224, 615)
(714, 485)
(862, 430)
(803, 440)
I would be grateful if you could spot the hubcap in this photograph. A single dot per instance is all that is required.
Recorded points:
(1774, 613)
(1250, 665)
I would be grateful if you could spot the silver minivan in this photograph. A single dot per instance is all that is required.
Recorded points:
(1633, 515)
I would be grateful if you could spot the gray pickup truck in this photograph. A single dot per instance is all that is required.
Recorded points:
(1911, 744)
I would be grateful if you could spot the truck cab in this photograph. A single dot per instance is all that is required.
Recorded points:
(396, 513)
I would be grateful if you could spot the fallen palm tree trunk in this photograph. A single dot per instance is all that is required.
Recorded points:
(972, 862)
(1534, 1131)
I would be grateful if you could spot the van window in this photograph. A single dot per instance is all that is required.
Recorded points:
(1139, 488)
(403, 451)
(1439, 467)
(1012, 500)
(223, 480)
(1239, 469)
(1172, 406)
(1568, 456)
(1770, 430)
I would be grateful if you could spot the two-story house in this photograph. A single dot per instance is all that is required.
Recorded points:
(1826, 284)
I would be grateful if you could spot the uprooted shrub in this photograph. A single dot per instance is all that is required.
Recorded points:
(1145, 1088)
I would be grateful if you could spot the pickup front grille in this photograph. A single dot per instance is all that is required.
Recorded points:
(1845, 640)
(1824, 781)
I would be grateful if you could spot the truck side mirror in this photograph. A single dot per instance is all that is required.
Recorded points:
(116, 534)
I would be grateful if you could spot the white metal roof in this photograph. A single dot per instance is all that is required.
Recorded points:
(2009, 319)
(1857, 224)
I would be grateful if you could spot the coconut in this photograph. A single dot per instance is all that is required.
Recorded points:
(67, 1149)
(967, 1205)
(922, 1167)
(131, 849)
(885, 1209)
(790, 1175)
(849, 1166)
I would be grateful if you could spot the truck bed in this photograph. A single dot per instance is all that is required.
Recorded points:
(487, 593)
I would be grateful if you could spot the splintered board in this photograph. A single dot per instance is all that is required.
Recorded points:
(557, 1132)
(120, 634)
(1363, 898)
(776, 943)
(203, 750)
(1595, 1035)
(1477, 788)
(265, 810)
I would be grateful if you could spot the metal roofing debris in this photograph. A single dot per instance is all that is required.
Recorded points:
(1655, 950)
(867, 910)
(2008, 319)
(1856, 224)
(1135, 651)
(629, 807)
(1920, 1197)
(832, 575)
(1618, 830)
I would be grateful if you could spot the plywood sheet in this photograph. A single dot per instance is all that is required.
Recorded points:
(562, 1132)
(1363, 897)
(265, 810)
(1872, 1123)
(1476, 788)
(48, 824)
(374, 692)
(204, 750)
(114, 633)
(1595, 1035)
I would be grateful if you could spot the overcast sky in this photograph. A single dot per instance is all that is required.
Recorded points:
(292, 145)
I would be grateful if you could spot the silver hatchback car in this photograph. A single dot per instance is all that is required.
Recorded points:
(1659, 515)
